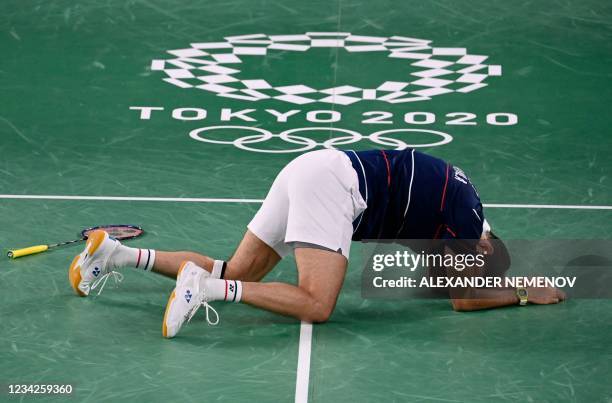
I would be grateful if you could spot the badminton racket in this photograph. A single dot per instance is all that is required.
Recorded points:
(120, 232)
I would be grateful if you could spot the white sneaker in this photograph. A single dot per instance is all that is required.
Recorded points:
(91, 267)
(186, 299)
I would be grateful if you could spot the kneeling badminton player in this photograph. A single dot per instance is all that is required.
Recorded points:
(317, 204)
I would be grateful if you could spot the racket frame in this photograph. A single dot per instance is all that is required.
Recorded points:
(102, 227)
(83, 235)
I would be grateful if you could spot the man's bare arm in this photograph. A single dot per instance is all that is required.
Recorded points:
(483, 298)
(475, 299)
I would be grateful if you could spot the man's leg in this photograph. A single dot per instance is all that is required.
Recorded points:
(321, 274)
(252, 260)
(168, 263)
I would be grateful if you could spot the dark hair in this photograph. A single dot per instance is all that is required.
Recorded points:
(496, 264)
(499, 262)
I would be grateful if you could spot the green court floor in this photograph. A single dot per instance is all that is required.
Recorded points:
(75, 78)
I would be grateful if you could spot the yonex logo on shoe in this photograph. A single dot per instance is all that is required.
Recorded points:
(96, 271)
(437, 70)
(188, 296)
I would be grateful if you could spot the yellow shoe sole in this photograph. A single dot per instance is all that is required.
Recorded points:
(74, 276)
(170, 299)
(94, 240)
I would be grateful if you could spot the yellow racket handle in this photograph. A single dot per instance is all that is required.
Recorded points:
(27, 251)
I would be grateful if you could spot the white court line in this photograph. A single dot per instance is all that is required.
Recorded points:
(549, 206)
(303, 367)
(132, 198)
(231, 200)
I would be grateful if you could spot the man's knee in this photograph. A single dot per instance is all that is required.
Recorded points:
(319, 311)
(320, 316)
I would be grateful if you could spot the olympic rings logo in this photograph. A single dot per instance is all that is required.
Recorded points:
(303, 143)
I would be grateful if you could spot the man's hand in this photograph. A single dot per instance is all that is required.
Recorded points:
(544, 295)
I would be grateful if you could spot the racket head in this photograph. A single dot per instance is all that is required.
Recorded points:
(117, 231)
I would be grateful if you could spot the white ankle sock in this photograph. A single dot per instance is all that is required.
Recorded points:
(218, 270)
(133, 257)
(221, 290)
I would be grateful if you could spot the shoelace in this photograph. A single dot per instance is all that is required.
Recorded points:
(118, 277)
(209, 308)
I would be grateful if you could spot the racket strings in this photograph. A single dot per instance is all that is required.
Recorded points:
(119, 232)
(123, 233)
